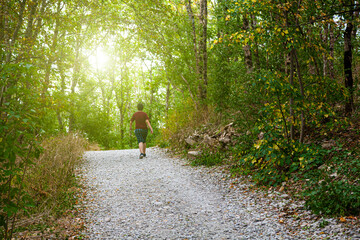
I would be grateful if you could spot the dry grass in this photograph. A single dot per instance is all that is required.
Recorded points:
(51, 183)
(182, 124)
(93, 147)
(53, 173)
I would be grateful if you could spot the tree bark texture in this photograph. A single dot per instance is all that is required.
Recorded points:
(246, 47)
(203, 48)
(200, 46)
(349, 81)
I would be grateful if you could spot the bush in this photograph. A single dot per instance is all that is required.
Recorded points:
(332, 175)
(272, 159)
(337, 197)
(334, 188)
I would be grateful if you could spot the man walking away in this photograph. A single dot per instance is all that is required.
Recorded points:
(142, 124)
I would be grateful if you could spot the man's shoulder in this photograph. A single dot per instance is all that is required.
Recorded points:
(140, 114)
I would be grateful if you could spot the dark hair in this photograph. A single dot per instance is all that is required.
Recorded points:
(140, 106)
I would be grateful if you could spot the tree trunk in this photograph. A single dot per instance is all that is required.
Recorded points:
(193, 27)
(291, 81)
(331, 48)
(256, 48)
(203, 50)
(325, 40)
(51, 58)
(39, 18)
(9, 42)
(167, 98)
(301, 85)
(246, 47)
(349, 81)
(75, 78)
(200, 48)
(62, 74)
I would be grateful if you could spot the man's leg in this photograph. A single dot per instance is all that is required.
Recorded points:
(141, 147)
(144, 148)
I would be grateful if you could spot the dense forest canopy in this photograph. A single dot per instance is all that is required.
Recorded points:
(83, 65)
(289, 69)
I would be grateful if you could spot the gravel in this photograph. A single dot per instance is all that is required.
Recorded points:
(162, 197)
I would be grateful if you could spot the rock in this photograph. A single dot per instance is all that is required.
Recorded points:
(209, 141)
(228, 127)
(322, 167)
(158, 204)
(284, 196)
(261, 136)
(225, 139)
(190, 141)
(328, 144)
(194, 154)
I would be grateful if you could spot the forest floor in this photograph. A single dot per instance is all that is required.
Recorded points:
(162, 197)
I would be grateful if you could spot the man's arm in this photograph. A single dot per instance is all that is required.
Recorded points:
(149, 125)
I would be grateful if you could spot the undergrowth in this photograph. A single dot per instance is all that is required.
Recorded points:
(326, 177)
(209, 158)
(330, 176)
(50, 181)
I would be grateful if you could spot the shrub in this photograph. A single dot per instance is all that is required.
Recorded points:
(334, 188)
(332, 175)
(272, 159)
(338, 197)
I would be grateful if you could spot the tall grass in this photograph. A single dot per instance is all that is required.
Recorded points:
(52, 176)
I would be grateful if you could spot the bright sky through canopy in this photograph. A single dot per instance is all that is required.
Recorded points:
(99, 59)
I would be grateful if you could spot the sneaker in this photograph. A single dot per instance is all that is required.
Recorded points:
(141, 155)
(144, 154)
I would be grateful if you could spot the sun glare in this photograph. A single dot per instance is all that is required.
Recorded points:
(99, 59)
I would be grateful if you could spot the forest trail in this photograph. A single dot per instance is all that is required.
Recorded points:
(160, 197)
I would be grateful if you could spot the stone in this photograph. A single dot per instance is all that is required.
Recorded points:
(328, 144)
(261, 135)
(225, 139)
(194, 154)
(190, 141)
(209, 141)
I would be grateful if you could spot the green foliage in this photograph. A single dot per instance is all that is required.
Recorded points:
(209, 158)
(333, 188)
(273, 158)
(19, 146)
(273, 65)
(334, 197)
(331, 174)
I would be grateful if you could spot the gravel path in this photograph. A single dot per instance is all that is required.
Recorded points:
(160, 197)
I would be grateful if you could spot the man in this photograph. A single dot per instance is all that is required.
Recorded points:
(142, 124)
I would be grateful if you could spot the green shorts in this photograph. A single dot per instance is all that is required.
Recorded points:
(141, 135)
